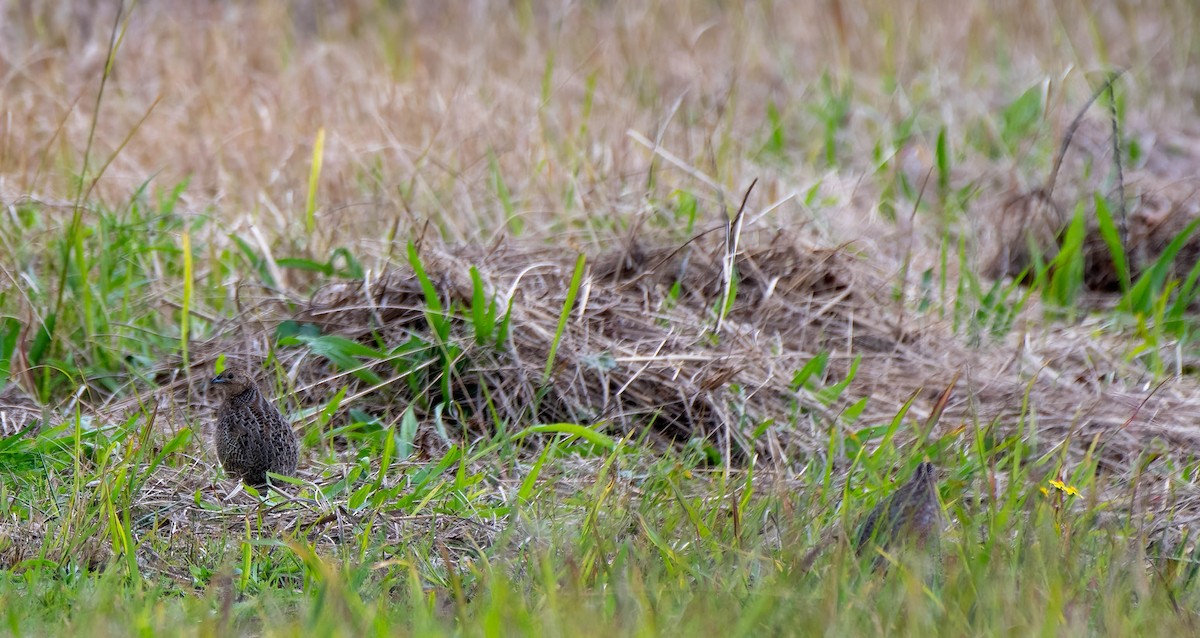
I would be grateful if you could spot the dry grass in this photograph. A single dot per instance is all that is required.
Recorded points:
(632, 358)
(513, 139)
(415, 100)
(419, 104)
(634, 355)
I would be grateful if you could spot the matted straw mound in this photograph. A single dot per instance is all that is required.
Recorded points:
(634, 355)
(631, 356)
(637, 358)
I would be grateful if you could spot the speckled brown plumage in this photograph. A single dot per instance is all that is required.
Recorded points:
(911, 515)
(252, 437)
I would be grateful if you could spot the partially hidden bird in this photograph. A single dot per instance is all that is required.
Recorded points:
(252, 437)
(911, 516)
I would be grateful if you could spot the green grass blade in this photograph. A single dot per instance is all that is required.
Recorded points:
(433, 303)
(564, 315)
(10, 331)
(314, 177)
(1112, 239)
(572, 430)
(185, 312)
(1142, 295)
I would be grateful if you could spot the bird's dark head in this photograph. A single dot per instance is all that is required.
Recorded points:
(233, 381)
(926, 471)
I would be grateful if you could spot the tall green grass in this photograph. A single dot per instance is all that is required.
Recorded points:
(641, 543)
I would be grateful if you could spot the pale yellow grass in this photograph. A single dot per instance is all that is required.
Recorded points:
(415, 100)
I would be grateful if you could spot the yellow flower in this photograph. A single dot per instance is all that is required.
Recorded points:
(1063, 487)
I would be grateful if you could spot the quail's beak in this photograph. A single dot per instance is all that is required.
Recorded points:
(217, 380)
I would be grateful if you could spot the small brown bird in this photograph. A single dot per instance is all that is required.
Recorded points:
(252, 437)
(910, 516)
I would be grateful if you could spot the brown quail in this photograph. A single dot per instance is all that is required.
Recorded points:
(252, 437)
(910, 516)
